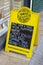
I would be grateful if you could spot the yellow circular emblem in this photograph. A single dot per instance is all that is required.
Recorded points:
(24, 14)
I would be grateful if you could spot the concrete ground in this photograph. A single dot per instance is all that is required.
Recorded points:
(37, 58)
(17, 59)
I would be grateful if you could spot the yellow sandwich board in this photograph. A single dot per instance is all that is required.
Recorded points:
(22, 31)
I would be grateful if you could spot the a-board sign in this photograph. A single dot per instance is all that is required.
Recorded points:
(22, 31)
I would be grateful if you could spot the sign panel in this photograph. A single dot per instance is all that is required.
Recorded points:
(22, 31)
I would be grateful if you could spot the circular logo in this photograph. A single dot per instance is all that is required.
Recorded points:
(24, 15)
